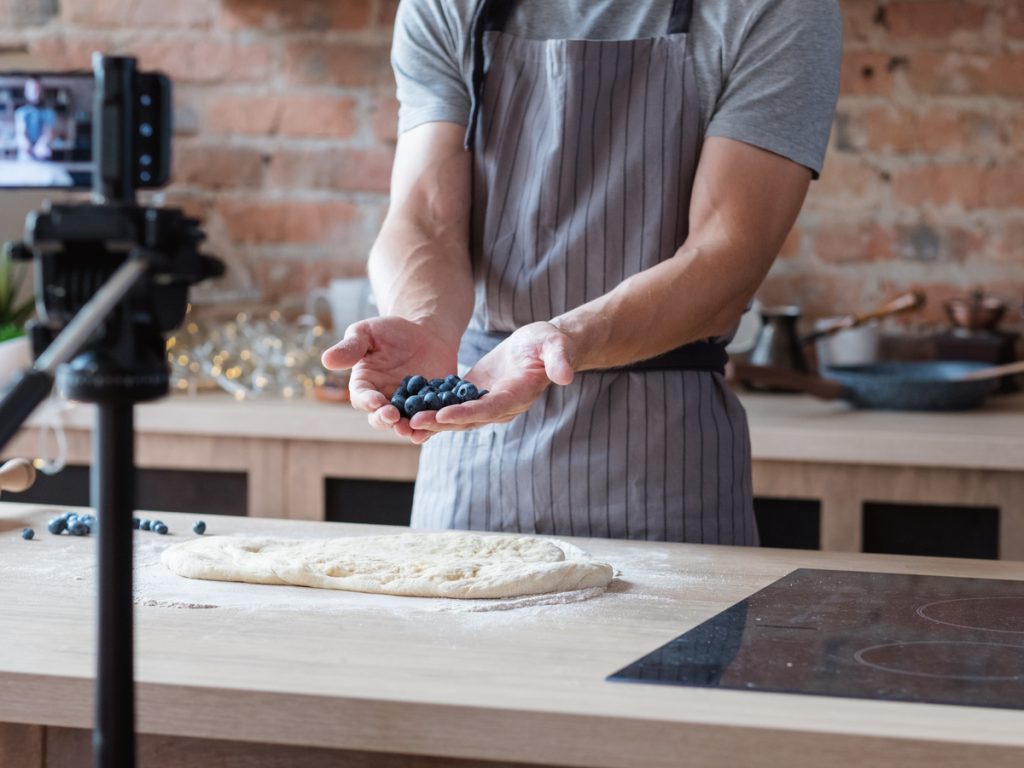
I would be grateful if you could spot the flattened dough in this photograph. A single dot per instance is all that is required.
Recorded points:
(449, 564)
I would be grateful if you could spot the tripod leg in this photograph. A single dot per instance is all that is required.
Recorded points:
(113, 496)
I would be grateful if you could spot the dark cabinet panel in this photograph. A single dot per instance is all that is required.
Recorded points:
(379, 502)
(936, 531)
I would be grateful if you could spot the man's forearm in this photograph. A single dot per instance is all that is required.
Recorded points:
(423, 277)
(699, 293)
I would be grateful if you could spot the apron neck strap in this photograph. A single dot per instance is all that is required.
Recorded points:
(490, 15)
(682, 12)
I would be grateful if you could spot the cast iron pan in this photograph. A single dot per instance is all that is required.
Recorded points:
(932, 386)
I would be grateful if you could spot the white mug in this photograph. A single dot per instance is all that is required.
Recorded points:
(349, 299)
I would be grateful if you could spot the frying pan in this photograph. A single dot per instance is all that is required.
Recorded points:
(930, 386)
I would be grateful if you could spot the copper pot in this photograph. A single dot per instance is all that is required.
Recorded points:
(977, 312)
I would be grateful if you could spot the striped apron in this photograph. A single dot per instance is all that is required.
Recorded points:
(584, 154)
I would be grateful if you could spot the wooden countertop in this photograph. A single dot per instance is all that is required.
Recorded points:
(526, 685)
(783, 428)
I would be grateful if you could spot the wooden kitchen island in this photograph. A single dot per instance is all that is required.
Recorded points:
(238, 675)
(802, 448)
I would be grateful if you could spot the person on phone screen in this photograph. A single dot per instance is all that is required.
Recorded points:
(34, 123)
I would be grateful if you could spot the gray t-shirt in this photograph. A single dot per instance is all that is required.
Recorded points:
(767, 70)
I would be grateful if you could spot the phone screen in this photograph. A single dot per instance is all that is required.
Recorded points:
(46, 130)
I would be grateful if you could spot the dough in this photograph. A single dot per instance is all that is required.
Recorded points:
(449, 564)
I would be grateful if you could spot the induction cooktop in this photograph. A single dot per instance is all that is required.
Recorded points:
(897, 637)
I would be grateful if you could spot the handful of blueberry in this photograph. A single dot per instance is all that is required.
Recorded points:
(417, 393)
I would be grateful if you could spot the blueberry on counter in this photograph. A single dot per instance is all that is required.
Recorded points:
(414, 405)
(144, 524)
(135, 523)
(57, 525)
(27, 534)
(199, 527)
(77, 528)
(160, 528)
(415, 384)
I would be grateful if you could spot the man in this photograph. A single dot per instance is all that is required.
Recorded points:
(33, 124)
(634, 168)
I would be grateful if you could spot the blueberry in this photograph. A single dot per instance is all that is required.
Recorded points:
(144, 524)
(399, 402)
(435, 383)
(27, 534)
(466, 392)
(78, 528)
(415, 384)
(160, 528)
(57, 525)
(481, 393)
(155, 523)
(136, 522)
(433, 401)
(449, 398)
(446, 387)
(405, 383)
(452, 379)
(414, 405)
(199, 527)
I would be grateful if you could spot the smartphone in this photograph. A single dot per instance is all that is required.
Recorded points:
(53, 129)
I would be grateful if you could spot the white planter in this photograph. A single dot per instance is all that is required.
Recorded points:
(15, 354)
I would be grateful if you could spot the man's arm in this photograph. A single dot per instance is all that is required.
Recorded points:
(421, 275)
(419, 265)
(744, 203)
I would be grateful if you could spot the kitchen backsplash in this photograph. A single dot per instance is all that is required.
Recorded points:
(285, 127)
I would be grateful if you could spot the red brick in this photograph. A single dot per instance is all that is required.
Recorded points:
(891, 129)
(148, 14)
(1013, 20)
(262, 220)
(933, 20)
(343, 63)
(243, 113)
(865, 73)
(314, 15)
(386, 10)
(955, 74)
(931, 242)
(933, 130)
(307, 115)
(385, 118)
(846, 180)
(205, 59)
(1003, 185)
(861, 20)
(318, 116)
(343, 169)
(941, 185)
(216, 166)
(1009, 248)
(69, 51)
(194, 203)
(853, 242)
(818, 294)
(281, 277)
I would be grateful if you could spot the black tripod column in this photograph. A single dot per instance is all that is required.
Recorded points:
(113, 497)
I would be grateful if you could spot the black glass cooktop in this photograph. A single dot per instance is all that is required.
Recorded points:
(859, 635)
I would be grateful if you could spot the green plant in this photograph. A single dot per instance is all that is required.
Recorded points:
(13, 313)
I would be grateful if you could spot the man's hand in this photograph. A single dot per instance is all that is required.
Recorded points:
(380, 352)
(515, 373)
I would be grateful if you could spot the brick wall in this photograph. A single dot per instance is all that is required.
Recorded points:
(285, 128)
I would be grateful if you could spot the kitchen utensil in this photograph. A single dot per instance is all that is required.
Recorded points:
(349, 300)
(995, 372)
(929, 386)
(857, 345)
(976, 312)
(778, 346)
(17, 475)
(906, 302)
(748, 331)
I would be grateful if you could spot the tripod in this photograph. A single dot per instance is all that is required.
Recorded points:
(112, 278)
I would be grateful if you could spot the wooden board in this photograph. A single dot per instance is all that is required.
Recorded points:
(524, 687)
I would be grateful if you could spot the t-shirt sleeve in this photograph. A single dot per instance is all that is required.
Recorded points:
(780, 93)
(426, 56)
